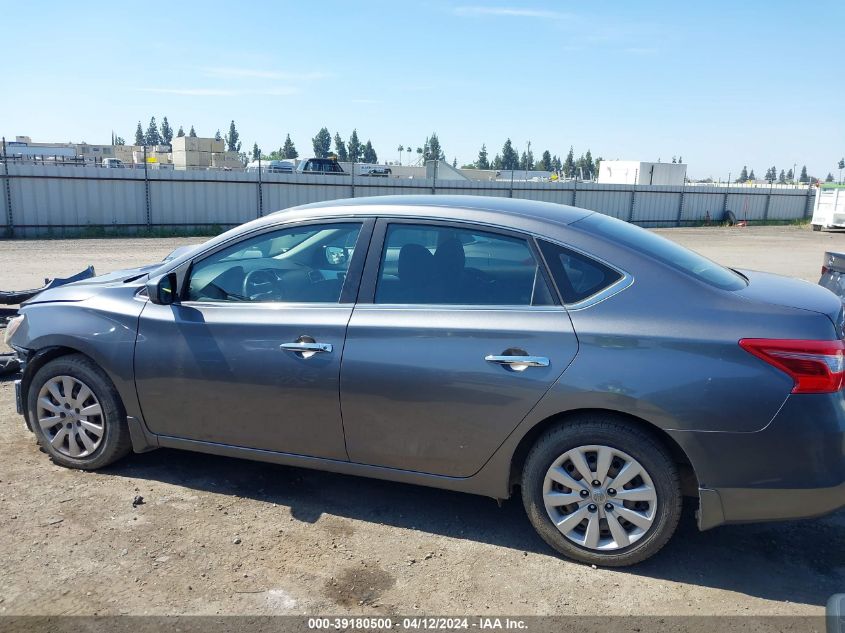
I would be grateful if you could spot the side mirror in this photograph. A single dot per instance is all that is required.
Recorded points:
(162, 290)
(335, 255)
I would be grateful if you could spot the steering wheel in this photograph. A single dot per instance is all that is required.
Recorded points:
(261, 284)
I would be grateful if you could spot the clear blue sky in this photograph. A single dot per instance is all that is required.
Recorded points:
(722, 84)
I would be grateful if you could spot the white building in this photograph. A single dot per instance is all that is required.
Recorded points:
(635, 172)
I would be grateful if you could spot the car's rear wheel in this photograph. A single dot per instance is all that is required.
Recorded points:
(601, 491)
(76, 414)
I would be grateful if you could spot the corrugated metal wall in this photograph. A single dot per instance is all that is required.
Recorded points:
(48, 199)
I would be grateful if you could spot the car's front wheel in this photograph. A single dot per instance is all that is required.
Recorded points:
(602, 491)
(77, 414)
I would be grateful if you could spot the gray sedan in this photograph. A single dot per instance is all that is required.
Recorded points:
(477, 344)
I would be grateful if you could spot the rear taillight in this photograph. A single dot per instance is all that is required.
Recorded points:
(815, 366)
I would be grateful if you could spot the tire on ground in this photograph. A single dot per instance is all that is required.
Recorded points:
(617, 433)
(115, 443)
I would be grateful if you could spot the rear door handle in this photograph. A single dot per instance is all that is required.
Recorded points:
(305, 348)
(518, 363)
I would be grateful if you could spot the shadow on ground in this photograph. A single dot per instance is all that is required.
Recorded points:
(802, 562)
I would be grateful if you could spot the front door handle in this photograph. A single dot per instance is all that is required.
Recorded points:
(518, 363)
(306, 347)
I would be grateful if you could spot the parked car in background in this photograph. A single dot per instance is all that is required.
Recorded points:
(112, 163)
(383, 172)
(272, 166)
(321, 166)
(478, 344)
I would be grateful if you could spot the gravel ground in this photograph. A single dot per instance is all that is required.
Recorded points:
(217, 535)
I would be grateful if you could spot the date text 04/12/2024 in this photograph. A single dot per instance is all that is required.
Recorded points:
(417, 623)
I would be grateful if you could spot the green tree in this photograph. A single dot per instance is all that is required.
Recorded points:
(804, 178)
(557, 165)
(322, 143)
(782, 178)
(340, 148)
(166, 131)
(233, 143)
(353, 147)
(526, 162)
(432, 149)
(139, 134)
(400, 149)
(829, 177)
(119, 140)
(496, 163)
(482, 162)
(510, 159)
(751, 175)
(218, 136)
(546, 161)
(589, 166)
(743, 175)
(152, 136)
(193, 134)
(790, 175)
(370, 155)
(180, 133)
(569, 164)
(255, 152)
(289, 149)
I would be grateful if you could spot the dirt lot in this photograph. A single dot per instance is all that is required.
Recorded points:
(216, 535)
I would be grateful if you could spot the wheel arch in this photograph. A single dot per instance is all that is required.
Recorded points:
(689, 480)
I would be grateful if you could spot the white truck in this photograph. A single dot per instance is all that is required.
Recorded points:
(829, 208)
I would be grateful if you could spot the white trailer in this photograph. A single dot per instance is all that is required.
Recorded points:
(829, 208)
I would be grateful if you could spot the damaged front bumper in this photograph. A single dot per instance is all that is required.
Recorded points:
(15, 297)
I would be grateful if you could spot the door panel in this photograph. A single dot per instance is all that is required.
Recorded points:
(418, 394)
(217, 373)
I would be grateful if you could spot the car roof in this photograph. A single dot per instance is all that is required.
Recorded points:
(507, 212)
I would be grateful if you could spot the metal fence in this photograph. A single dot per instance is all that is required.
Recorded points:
(51, 200)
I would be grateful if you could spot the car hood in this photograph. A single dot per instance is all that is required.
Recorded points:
(792, 293)
(87, 288)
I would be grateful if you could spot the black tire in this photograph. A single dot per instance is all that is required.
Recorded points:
(817, 227)
(115, 443)
(618, 434)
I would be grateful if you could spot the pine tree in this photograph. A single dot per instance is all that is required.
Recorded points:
(589, 166)
(118, 140)
(340, 148)
(322, 143)
(166, 131)
(510, 159)
(482, 162)
(180, 133)
(152, 137)
(432, 149)
(255, 152)
(782, 178)
(569, 164)
(751, 175)
(353, 147)
(546, 161)
(497, 163)
(193, 134)
(743, 175)
(233, 143)
(829, 177)
(218, 136)
(139, 135)
(289, 149)
(370, 155)
(790, 175)
(804, 178)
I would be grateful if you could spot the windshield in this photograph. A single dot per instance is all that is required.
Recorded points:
(664, 250)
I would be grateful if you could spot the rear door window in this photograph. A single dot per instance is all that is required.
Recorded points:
(435, 264)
